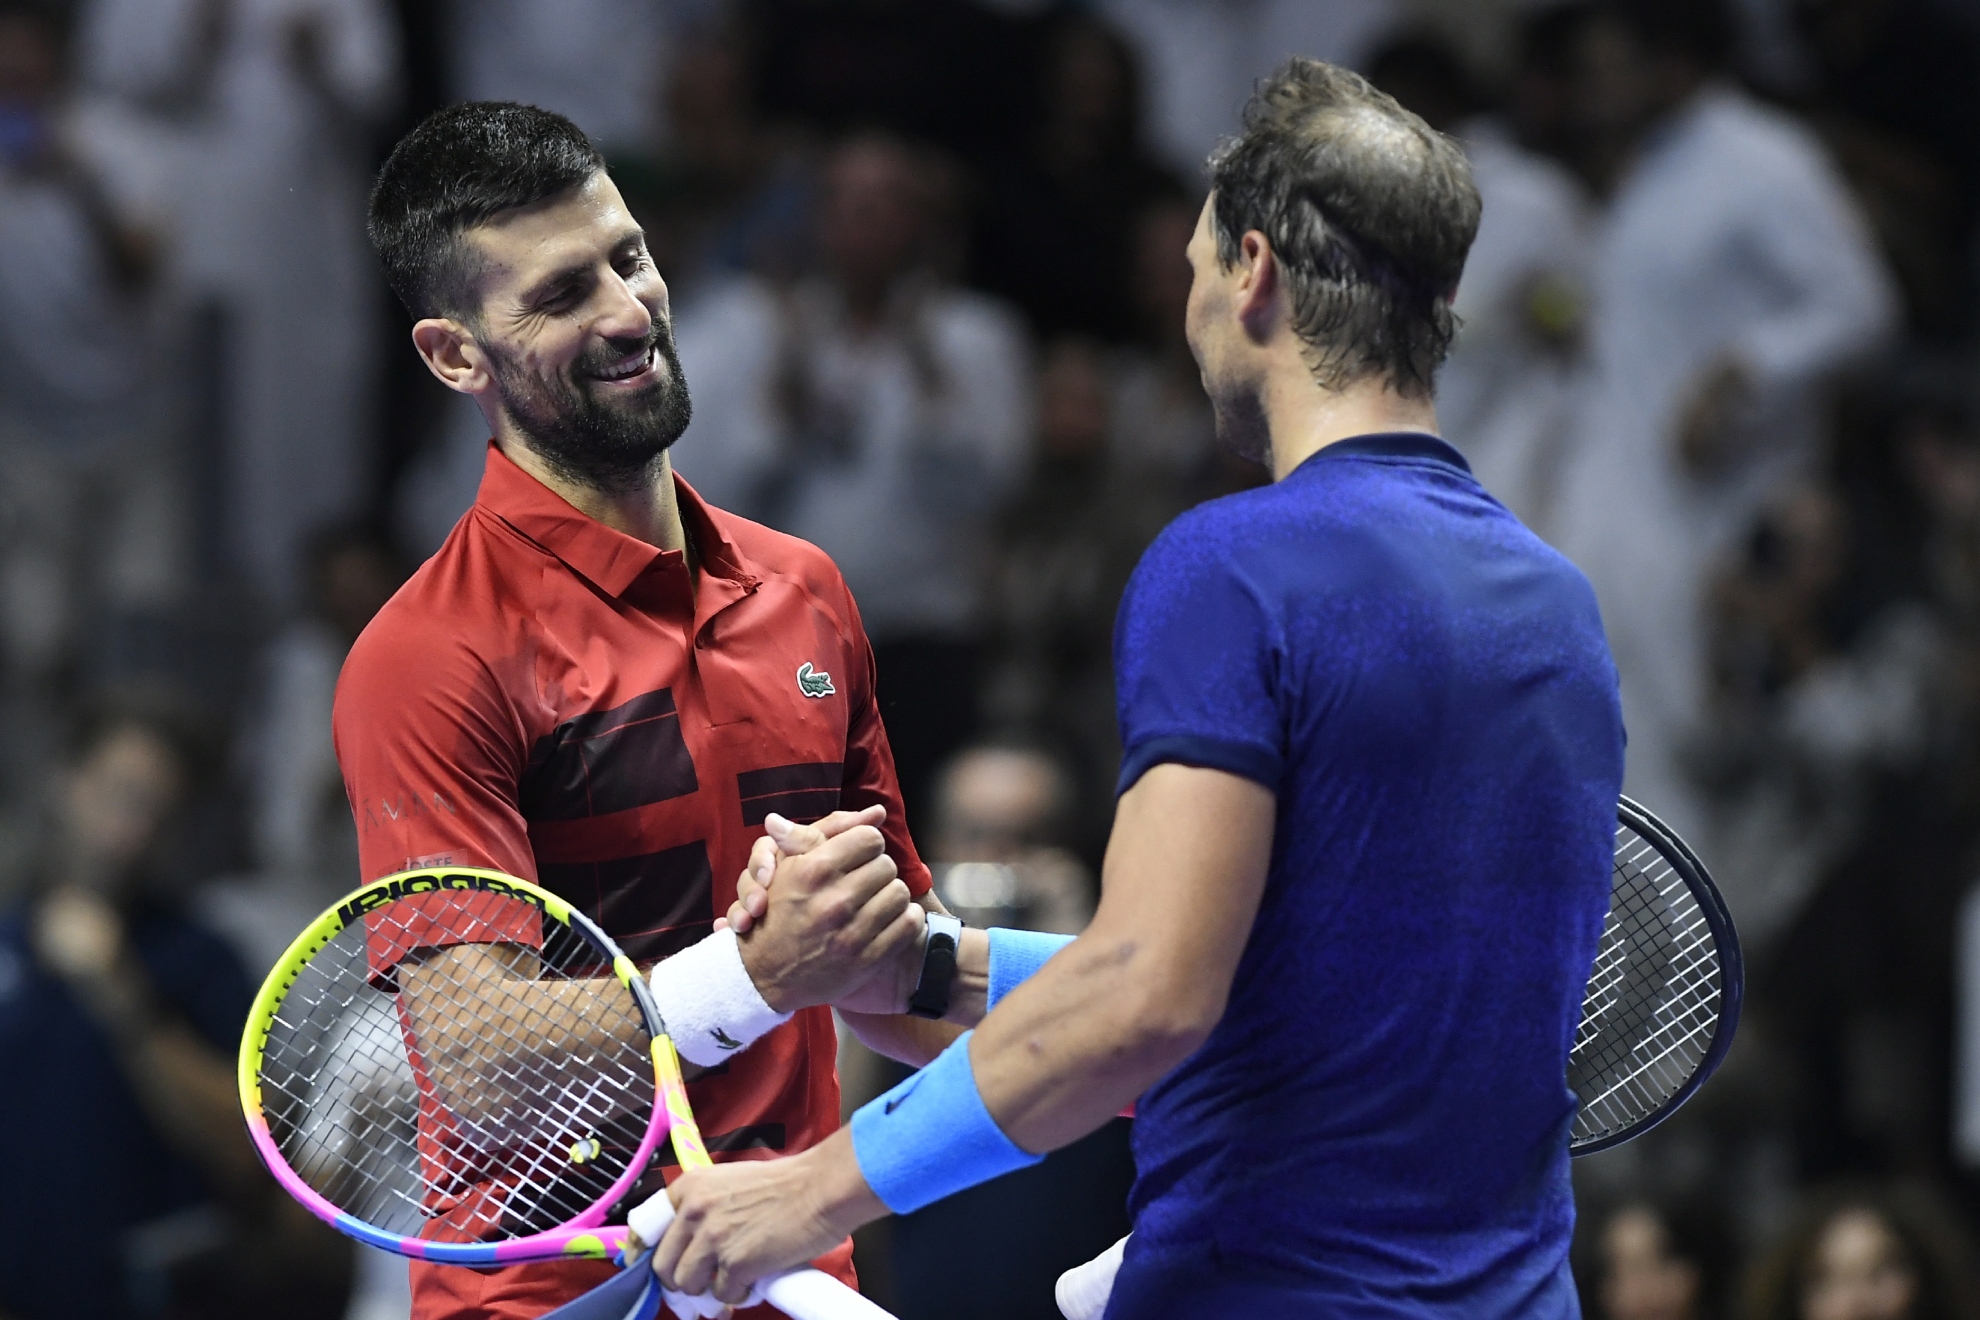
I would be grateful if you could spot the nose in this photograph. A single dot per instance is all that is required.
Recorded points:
(624, 315)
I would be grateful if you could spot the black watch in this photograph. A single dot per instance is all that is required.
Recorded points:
(938, 967)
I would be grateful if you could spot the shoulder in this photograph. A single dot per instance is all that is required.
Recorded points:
(1771, 144)
(436, 633)
(1329, 506)
(1224, 547)
(196, 969)
(788, 558)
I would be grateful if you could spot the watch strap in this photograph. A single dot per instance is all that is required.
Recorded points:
(938, 966)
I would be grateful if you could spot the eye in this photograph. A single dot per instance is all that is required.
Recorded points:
(560, 299)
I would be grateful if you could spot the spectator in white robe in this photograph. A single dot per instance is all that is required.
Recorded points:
(91, 519)
(1504, 395)
(601, 63)
(1731, 275)
(274, 100)
(1202, 57)
(881, 413)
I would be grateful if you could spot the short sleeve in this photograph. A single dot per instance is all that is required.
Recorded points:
(1198, 662)
(431, 755)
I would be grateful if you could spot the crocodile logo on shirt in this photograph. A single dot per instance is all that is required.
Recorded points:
(814, 682)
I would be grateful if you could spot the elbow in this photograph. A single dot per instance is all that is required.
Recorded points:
(1167, 1021)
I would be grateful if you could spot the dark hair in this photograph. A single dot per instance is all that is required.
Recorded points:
(1369, 212)
(1929, 1234)
(1698, 30)
(461, 167)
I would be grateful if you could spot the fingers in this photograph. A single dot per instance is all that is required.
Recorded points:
(840, 821)
(676, 1240)
(694, 1267)
(845, 855)
(785, 839)
(762, 860)
(752, 888)
(793, 838)
(877, 928)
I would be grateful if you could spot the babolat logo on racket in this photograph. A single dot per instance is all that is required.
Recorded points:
(379, 895)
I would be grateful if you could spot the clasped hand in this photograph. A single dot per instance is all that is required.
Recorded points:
(828, 920)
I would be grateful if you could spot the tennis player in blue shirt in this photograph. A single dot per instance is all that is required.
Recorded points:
(1362, 851)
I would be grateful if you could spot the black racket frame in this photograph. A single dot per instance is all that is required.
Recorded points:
(1732, 968)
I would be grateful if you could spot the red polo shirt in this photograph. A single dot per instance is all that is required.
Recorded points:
(554, 699)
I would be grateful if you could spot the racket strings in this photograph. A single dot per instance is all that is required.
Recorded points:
(419, 1095)
(1652, 1006)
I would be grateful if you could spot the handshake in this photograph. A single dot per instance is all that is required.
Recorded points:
(821, 916)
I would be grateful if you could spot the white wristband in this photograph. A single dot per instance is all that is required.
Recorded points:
(710, 1006)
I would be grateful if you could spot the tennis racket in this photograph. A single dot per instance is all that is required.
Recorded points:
(1663, 1000)
(457, 1066)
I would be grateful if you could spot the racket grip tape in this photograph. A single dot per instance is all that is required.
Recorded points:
(1084, 1290)
(805, 1294)
(816, 1295)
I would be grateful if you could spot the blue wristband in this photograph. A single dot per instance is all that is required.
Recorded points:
(931, 1137)
(1015, 955)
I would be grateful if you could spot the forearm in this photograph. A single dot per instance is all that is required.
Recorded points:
(191, 1094)
(1080, 1041)
(910, 1040)
(491, 1029)
(916, 1041)
(184, 1086)
(1060, 1057)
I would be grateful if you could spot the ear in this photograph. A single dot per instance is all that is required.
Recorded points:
(451, 353)
(1258, 286)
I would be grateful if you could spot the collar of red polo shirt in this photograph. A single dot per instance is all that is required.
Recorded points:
(609, 559)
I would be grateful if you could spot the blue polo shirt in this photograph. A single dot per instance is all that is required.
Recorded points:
(1378, 1126)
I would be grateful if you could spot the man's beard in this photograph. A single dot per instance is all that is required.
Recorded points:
(1241, 426)
(585, 436)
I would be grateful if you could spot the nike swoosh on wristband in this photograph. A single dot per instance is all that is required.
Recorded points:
(899, 1100)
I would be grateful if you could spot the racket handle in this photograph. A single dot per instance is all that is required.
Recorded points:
(802, 1294)
(1083, 1290)
(815, 1295)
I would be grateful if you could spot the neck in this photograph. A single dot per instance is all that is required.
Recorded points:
(648, 512)
(1301, 418)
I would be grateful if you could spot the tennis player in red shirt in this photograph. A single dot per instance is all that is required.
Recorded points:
(606, 685)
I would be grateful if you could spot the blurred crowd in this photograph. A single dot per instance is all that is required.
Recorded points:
(926, 266)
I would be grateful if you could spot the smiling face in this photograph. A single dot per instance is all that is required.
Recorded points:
(571, 343)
